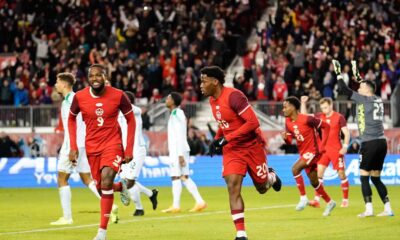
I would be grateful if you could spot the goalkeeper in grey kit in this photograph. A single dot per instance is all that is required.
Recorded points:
(373, 142)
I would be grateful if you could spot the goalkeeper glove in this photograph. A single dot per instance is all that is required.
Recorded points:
(216, 146)
(356, 73)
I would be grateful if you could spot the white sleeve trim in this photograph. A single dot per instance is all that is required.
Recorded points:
(244, 109)
(72, 113)
(320, 122)
(127, 112)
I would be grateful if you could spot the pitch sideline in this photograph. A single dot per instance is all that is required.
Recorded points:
(144, 219)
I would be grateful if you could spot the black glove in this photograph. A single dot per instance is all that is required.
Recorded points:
(216, 146)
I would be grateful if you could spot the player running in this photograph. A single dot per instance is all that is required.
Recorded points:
(241, 141)
(64, 84)
(131, 171)
(303, 129)
(335, 151)
(99, 105)
(373, 142)
(179, 153)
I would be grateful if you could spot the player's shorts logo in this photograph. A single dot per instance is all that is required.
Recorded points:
(99, 111)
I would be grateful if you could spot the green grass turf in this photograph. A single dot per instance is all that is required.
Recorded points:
(270, 216)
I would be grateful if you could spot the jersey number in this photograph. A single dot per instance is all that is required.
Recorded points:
(100, 121)
(378, 111)
(223, 124)
(262, 170)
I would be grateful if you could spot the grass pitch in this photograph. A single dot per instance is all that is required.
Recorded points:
(26, 214)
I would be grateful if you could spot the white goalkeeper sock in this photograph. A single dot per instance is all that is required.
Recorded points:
(176, 192)
(93, 188)
(65, 198)
(144, 189)
(134, 192)
(192, 188)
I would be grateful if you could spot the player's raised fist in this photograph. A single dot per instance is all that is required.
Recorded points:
(304, 99)
(73, 155)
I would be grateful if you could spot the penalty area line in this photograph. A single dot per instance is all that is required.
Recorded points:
(145, 219)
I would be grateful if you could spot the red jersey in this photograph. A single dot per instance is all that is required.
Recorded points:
(236, 119)
(100, 114)
(304, 130)
(336, 121)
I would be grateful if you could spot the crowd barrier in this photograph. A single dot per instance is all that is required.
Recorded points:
(205, 171)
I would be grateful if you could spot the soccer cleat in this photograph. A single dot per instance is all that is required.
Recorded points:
(345, 203)
(385, 214)
(171, 210)
(277, 185)
(365, 214)
(198, 207)
(138, 212)
(153, 199)
(62, 221)
(114, 214)
(314, 204)
(329, 207)
(301, 205)
(241, 238)
(125, 197)
(101, 235)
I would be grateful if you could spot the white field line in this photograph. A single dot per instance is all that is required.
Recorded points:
(144, 219)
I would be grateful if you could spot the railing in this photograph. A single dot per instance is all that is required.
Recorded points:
(29, 116)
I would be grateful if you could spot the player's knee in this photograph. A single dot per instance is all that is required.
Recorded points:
(175, 178)
(376, 180)
(62, 181)
(364, 179)
(130, 183)
(295, 171)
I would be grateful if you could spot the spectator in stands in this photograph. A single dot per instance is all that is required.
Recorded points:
(156, 96)
(21, 97)
(280, 90)
(8, 148)
(6, 95)
(195, 144)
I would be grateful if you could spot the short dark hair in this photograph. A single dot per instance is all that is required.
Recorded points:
(293, 101)
(177, 97)
(67, 77)
(370, 84)
(215, 72)
(101, 67)
(130, 96)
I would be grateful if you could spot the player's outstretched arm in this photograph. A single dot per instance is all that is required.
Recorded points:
(303, 106)
(342, 86)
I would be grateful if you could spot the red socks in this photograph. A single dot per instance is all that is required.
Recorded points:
(345, 188)
(238, 219)
(300, 184)
(321, 191)
(106, 202)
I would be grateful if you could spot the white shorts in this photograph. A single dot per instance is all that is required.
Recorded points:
(65, 165)
(175, 167)
(131, 170)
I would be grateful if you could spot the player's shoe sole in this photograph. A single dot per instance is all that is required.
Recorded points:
(114, 217)
(125, 197)
(365, 214)
(171, 210)
(278, 183)
(62, 221)
(331, 205)
(199, 207)
(385, 214)
(314, 204)
(153, 199)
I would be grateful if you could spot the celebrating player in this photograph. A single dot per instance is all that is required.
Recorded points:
(304, 128)
(99, 105)
(335, 151)
(179, 151)
(64, 84)
(131, 171)
(241, 141)
(373, 142)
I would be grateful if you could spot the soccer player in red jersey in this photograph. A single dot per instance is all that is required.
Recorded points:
(241, 141)
(304, 128)
(100, 105)
(335, 151)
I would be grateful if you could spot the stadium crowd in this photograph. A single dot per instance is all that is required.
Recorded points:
(300, 38)
(149, 47)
